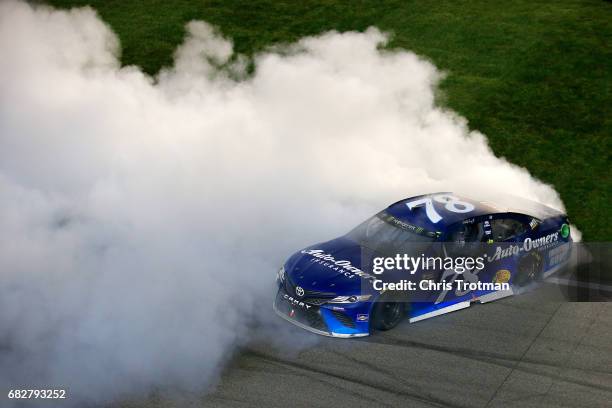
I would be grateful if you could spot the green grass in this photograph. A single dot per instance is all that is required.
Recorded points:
(533, 76)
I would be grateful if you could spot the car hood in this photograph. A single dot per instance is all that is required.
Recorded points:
(339, 266)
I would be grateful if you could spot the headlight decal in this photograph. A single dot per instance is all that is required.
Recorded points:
(350, 299)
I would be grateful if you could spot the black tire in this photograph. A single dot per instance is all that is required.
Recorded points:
(529, 270)
(387, 313)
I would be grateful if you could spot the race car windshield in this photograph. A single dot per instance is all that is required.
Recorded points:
(387, 234)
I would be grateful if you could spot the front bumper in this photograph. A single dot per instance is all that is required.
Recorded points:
(317, 319)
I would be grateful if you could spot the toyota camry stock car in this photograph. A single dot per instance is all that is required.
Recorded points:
(333, 289)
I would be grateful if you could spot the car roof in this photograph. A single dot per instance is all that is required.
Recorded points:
(448, 216)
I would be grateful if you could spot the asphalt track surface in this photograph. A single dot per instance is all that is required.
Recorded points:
(532, 350)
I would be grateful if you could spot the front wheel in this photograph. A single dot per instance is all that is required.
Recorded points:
(387, 314)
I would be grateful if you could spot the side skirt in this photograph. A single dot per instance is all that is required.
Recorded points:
(489, 297)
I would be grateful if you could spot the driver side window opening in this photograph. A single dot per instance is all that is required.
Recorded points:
(467, 233)
(465, 239)
(506, 229)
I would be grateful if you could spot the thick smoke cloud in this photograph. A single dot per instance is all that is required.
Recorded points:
(142, 220)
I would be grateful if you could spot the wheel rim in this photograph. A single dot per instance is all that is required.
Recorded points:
(532, 272)
(391, 313)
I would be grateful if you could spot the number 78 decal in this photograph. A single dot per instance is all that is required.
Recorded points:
(451, 203)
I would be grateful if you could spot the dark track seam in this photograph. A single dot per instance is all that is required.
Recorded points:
(302, 367)
(516, 364)
(569, 355)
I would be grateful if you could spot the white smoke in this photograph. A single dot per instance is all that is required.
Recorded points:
(142, 220)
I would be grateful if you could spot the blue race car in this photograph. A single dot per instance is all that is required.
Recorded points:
(336, 288)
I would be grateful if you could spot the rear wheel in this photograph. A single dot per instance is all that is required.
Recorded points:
(529, 270)
(387, 313)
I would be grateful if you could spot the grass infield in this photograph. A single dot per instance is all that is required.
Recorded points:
(534, 76)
